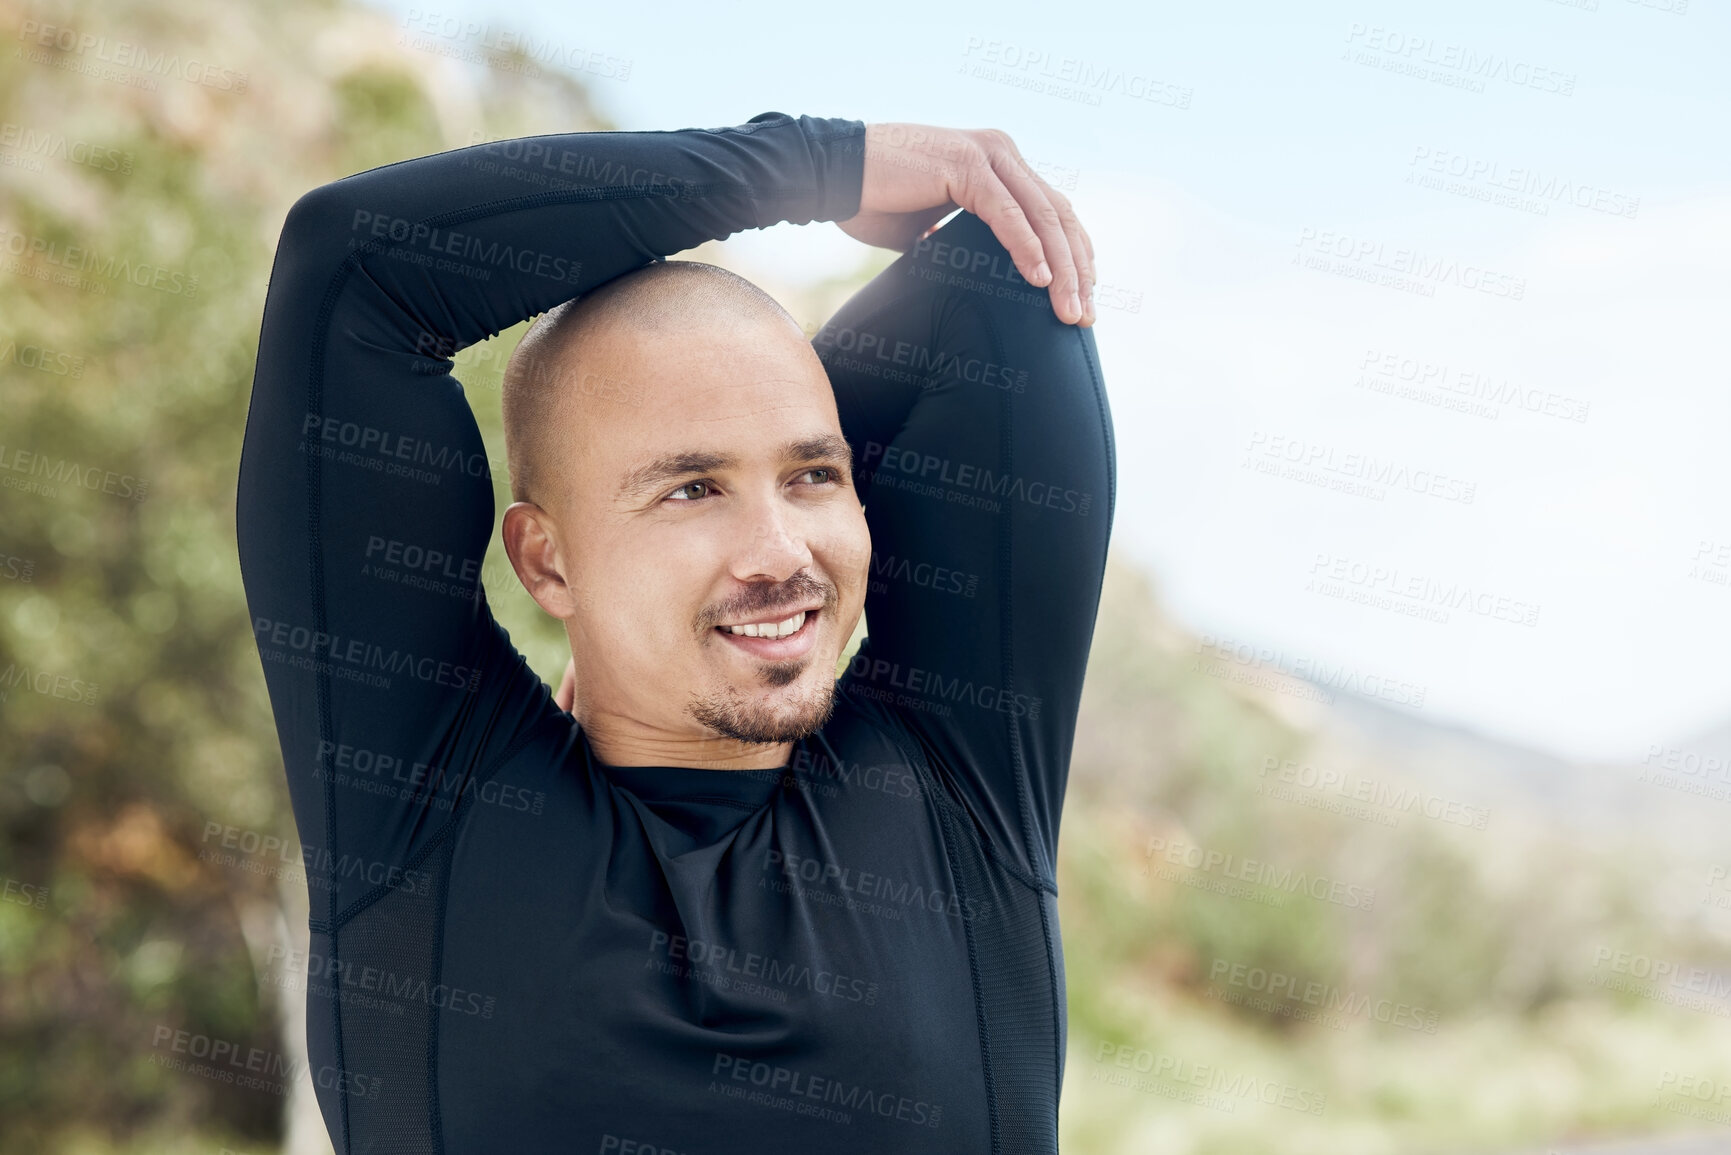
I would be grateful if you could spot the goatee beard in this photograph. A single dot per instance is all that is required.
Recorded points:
(798, 717)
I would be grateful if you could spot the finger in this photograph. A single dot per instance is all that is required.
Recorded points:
(985, 195)
(1048, 225)
(1081, 244)
(1081, 247)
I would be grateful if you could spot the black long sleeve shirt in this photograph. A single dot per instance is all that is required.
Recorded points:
(517, 948)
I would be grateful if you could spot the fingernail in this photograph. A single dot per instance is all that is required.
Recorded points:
(1042, 274)
(1075, 304)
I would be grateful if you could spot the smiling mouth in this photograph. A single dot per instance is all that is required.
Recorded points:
(789, 637)
(778, 629)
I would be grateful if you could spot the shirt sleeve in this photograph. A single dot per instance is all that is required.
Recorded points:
(365, 496)
(985, 457)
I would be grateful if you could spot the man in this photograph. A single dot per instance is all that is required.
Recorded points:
(725, 903)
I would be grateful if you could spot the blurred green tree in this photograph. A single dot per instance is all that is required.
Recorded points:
(139, 211)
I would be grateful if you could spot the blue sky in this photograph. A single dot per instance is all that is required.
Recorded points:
(1469, 248)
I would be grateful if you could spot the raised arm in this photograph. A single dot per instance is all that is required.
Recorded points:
(365, 496)
(984, 443)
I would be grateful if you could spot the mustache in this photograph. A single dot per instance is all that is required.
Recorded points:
(763, 600)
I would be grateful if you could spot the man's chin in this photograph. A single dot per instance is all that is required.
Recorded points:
(789, 714)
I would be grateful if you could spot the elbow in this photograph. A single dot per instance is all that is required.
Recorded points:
(318, 209)
(316, 230)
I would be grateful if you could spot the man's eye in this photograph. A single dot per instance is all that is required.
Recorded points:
(828, 475)
(675, 495)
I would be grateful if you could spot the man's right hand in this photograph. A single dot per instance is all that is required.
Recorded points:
(915, 175)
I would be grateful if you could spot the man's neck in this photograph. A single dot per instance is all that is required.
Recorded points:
(625, 746)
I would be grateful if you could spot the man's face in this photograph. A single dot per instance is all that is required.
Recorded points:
(707, 486)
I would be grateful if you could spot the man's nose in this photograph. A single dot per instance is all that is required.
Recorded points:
(772, 544)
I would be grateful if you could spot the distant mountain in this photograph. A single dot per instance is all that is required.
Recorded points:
(1140, 647)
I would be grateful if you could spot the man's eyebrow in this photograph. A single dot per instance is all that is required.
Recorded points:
(826, 445)
(676, 465)
(665, 469)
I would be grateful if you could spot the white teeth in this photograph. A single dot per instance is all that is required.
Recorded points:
(771, 629)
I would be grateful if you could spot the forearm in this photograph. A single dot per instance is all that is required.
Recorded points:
(460, 245)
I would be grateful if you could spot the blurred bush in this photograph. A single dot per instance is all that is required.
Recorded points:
(133, 716)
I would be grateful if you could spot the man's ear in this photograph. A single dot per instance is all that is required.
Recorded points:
(532, 544)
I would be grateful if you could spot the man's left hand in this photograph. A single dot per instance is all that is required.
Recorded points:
(915, 175)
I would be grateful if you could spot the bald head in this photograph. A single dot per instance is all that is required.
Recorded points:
(678, 467)
(571, 356)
